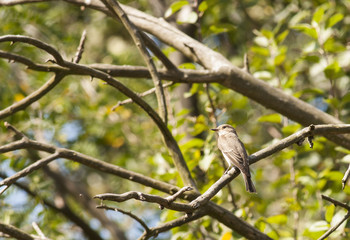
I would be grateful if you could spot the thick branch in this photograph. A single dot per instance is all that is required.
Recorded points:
(15, 232)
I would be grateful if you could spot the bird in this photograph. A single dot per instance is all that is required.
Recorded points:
(234, 153)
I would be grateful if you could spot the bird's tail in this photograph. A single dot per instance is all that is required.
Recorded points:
(249, 185)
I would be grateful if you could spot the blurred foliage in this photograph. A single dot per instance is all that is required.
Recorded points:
(300, 47)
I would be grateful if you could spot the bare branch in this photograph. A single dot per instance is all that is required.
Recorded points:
(25, 171)
(15, 232)
(139, 220)
(335, 227)
(173, 197)
(148, 92)
(153, 232)
(163, 202)
(33, 97)
(37, 43)
(116, 9)
(280, 145)
(80, 49)
(335, 202)
(156, 51)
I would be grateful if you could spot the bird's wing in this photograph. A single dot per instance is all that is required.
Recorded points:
(234, 149)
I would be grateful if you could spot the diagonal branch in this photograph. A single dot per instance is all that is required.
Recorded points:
(15, 232)
(27, 170)
(153, 232)
(148, 92)
(115, 8)
(278, 146)
(335, 227)
(143, 224)
(33, 97)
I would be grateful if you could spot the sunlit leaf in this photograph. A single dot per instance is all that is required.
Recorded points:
(333, 71)
(334, 20)
(273, 118)
(329, 212)
(174, 7)
(306, 29)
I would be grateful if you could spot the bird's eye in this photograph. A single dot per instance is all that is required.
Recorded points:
(224, 126)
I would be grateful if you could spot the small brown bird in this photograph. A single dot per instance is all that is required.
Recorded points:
(234, 153)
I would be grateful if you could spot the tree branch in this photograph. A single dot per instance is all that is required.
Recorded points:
(115, 8)
(143, 224)
(33, 97)
(27, 170)
(163, 202)
(15, 232)
(335, 227)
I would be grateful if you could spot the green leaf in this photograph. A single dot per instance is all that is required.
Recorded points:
(221, 28)
(334, 20)
(329, 212)
(306, 29)
(318, 15)
(273, 118)
(333, 71)
(174, 7)
(278, 219)
(193, 143)
(280, 38)
(203, 6)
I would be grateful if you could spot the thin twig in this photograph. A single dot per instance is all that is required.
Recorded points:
(80, 49)
(148, 92)
(335, 227)
(153, 232)
(163, 202)
(335, 202)
(139, 220)
(37, 43)
(33, 97)
(31, 168)
(156, 51)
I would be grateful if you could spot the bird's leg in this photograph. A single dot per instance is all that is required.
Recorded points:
(229, 167)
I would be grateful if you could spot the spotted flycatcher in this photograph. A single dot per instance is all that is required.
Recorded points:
(234, 153)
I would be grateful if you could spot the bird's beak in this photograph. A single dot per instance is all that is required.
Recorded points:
(215, 129)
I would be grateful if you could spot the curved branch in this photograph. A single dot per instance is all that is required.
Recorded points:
(36, 43)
